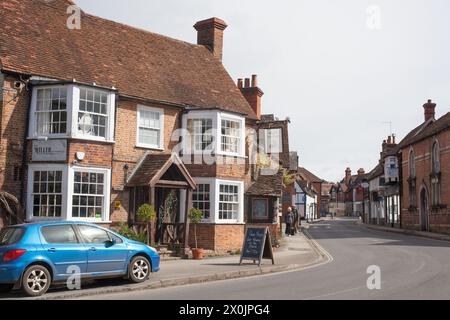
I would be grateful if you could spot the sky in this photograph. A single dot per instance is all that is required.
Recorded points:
(341, 70)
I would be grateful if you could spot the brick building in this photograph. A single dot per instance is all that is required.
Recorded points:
(99, 120)
(425, 174)
(347, 196)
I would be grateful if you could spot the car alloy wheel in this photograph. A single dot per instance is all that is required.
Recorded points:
(140, 269)
(36, 281)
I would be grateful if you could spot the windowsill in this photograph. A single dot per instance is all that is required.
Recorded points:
(91, 138)
(227, 222)
(229, 154)
(143, 146)
(76, 137)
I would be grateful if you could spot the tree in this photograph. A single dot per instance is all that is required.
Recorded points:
(147, 214)
(195, 216)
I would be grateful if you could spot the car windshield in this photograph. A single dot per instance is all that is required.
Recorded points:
(9, 236)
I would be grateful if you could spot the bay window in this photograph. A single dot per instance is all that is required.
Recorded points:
(215, 131)
(221, 201)
(150, 128)
(70, 111)
(63, 192)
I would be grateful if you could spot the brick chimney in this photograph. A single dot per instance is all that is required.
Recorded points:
(429, 110)
(210, 34)
(252, 93)
(348, 176)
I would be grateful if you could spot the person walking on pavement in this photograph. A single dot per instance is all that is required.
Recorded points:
(296, 220)
(289, 222)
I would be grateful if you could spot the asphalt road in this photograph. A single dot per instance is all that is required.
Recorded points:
(411, 268)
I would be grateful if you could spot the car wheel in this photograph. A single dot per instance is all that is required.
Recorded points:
(5, 288)
(139, 269)
(36, 281)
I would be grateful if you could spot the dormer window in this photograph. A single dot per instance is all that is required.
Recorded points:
(70, 111)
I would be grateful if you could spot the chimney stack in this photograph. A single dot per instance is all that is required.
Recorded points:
(252, 93)
(361, 172)
(429, 110)
(210, 34)
(348, 176)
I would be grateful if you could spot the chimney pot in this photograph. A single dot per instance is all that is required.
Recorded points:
(254, 80)
(240, 83)
(210, 34)
(247, 82)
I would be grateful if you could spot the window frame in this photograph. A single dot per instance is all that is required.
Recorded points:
(72, 109)
(106, 193)
(240, 192)
(68, 173)
(267, 141)
(266, 214)
(204, 219)
(435, 148)
(240, 136)
(161, 129)
(192, 144)
(30, 181)
(216, 116)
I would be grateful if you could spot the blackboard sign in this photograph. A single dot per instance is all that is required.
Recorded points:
(257, 245)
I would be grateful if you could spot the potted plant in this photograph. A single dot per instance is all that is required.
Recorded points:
(195, 217)
(146, 213)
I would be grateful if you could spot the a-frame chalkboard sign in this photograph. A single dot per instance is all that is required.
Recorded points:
(257, 245)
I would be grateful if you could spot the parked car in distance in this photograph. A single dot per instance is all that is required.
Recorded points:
(37, 255)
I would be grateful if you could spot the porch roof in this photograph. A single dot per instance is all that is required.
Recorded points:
(267, 185)
(152, 169)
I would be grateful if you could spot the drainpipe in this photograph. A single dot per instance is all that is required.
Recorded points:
(25, 152)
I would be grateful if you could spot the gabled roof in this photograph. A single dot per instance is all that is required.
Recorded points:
(425, 130)
(376, 172)
(152, 168)
(267, 185)
(308, 175)
(35, 40)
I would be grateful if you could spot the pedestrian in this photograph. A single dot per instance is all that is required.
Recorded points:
(296, 220)
(289, 222)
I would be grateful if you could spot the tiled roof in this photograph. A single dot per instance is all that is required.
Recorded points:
(35, 40)
(308, 175)
(267, 185)
(376, 172)
(426, 130)
(153, 166)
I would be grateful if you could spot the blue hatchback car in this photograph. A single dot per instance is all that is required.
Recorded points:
(33, 256)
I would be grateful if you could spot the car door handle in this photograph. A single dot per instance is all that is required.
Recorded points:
(93, 249)
(52, 250)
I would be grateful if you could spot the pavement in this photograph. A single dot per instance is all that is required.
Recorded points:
(424, 234)
(297, 252)
(411, 267)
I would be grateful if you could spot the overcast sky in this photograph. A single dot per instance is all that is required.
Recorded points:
(340, 69)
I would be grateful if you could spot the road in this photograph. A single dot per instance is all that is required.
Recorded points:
(411, 268)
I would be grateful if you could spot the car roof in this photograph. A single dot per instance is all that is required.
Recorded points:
(46, 223)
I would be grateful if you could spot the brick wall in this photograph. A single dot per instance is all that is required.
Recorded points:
(13, 123)
(439, 219)
(220, 238)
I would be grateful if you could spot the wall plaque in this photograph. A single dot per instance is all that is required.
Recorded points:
(50, 150)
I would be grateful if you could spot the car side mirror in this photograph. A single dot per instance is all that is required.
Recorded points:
(111, 242)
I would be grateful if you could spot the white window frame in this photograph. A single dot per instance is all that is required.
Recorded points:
(214, 188)
(240, 214)
(192, 145)
(161, 129)
(67, 192)
(47, 167)
(73, 103)
(241, 144)
(267, 141)
(216, 116)
(106, 196)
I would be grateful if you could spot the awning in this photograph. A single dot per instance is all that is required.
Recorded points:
(161, 170)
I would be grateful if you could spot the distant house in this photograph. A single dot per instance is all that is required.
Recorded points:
(348, 195)
(316, 184)
(424, 158)
(384, 187)
(306, 199)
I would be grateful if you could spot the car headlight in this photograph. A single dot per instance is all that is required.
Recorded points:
(152, 249)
